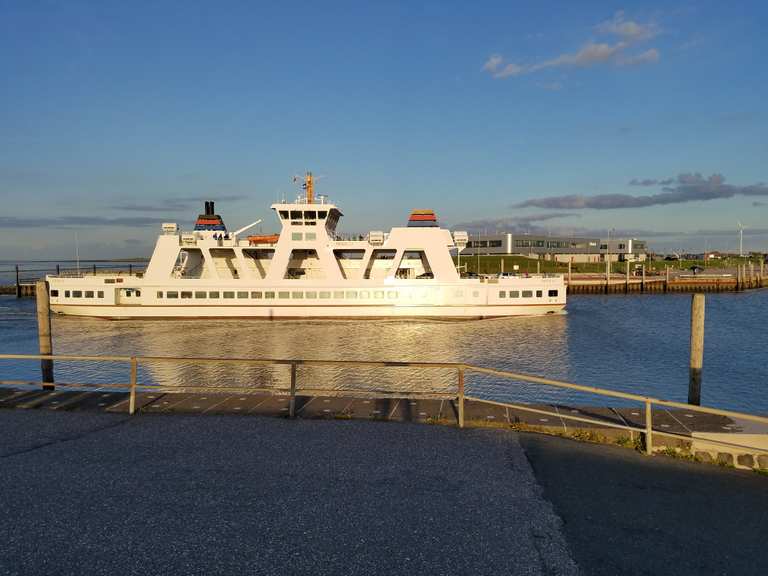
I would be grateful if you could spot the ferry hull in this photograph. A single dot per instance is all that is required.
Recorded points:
(309, 312)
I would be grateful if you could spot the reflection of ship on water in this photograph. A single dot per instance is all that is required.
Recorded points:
(523, 344)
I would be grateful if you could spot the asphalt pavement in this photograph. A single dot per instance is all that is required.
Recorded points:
(94, 493)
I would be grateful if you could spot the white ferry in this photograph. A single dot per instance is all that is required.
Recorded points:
(306, 271)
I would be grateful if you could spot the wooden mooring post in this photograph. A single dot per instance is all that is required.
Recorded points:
(626, 281)
(570, 262)
(697, 349)
(666, 282)
(18, 283)
(642, 282)
(461, 397)
(292, 402)
(44, 332)
(607, 272)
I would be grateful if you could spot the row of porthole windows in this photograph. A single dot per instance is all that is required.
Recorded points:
(282, 295)
(79, 294)
(526, 293)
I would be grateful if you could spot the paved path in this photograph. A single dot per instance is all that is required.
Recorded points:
(95, 493)
(102, 494)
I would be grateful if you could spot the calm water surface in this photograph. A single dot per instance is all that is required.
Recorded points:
(631, 343)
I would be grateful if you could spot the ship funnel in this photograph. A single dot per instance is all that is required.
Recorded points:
(212, 210)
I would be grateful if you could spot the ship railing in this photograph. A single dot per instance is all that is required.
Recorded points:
(458, 394)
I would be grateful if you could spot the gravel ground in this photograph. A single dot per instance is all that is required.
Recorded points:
(88, 493)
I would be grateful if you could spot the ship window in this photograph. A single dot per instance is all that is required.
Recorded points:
(284, 214)
(351, 295)
(269, 295)
(186, 294)
(297, 295)
(159, 294)
(338, 295)
(414, 265)
(322, 214)
(538, 293)
(66, 293)
(475, 293)
(392, 294)
(514, 294)
(255, 294)
(310, 215)
(364, 294)
(109, 280)
(527, 294)
(242, 294)
(229, 294)
(310, 223)
(310, 236)
(89, 293)
(54, 293)
(170, 294)
(201, 294)
(283, 294)
(138, 293)
(311, 294)
(295, 214)
(379, 294)
(77, 294)
(552, 293)
(502, 294)
(325, 294)
(296, 236)
(213, 294)
(100, 294)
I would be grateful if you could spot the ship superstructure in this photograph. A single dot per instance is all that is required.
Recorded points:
(307, 270)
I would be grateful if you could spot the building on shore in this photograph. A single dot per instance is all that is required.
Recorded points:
(558, 248)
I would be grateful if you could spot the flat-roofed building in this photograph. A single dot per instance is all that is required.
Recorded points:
(560, 248)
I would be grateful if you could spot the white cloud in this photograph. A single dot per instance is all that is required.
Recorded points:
(493, 62)
(648, 57)
(592, 52)
(628, 30)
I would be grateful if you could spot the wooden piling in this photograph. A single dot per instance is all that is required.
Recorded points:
(642, 282)
(626, 282)
(44, 332)
(666, 282)
(697, 349)
(461, 397)
(570, 261)
(18, 284)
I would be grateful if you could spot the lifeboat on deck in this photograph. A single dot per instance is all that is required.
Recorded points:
(263, 239)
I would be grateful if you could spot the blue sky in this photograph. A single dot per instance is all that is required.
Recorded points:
(569, 117)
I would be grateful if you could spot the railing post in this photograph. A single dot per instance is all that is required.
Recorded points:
(292, 405)
(461, 397)
(648, 428)
(132, 394)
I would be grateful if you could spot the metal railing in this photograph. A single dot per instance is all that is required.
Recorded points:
(460, 395)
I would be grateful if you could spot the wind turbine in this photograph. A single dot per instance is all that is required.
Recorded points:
(741, 237)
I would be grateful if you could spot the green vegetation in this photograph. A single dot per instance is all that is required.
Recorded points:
(492, 264)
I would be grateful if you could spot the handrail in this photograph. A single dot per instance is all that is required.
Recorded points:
(461, 396)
